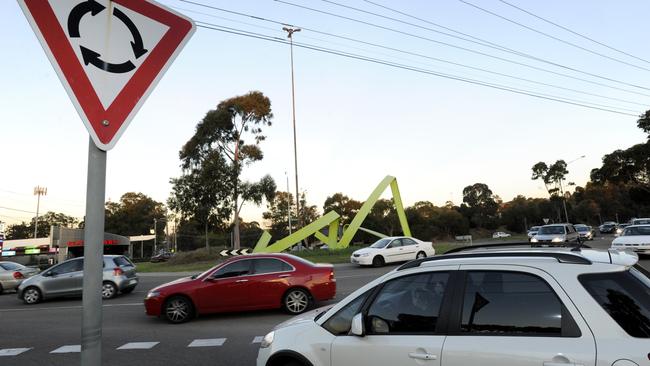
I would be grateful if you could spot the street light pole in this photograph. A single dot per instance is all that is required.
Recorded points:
(38, 191)
(290, 32)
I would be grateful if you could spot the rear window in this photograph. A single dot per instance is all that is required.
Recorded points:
(625, 296)
(122, 261)
(11, 266)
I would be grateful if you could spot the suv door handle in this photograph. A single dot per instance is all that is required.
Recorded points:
(428, 356)
(241, 281)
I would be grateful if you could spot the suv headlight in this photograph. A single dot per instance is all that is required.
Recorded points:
(557, 240)
(267, 340)
(533, 240)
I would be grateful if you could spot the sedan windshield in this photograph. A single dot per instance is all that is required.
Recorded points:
(582, 229)
(550, 230)
(381, 243)
(639, 230)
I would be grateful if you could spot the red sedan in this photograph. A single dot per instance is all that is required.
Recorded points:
(251, 282)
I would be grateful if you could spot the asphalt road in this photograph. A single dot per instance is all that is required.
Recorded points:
(41, 330)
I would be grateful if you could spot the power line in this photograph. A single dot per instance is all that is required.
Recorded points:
(553, 37)
(418, 70)
(478, 52)
(412, 35)
(573, 32)
(436, 59)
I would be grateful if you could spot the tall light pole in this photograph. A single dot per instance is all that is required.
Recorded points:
(290, 31)
(38, 191)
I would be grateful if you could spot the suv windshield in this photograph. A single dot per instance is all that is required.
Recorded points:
(625, 296)
(639, 230)
(582, 229)
(546, 230)
(380, 243)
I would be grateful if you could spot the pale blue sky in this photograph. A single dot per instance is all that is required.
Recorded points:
(357, 121)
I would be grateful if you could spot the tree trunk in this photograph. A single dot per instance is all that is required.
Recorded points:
(236, 243)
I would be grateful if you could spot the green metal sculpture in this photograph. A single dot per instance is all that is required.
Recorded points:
(332, 220)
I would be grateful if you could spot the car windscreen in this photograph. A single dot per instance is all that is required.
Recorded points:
(638, 230)
(381, 243)
(534, 228)
(625, 296)
(546, 230)
(9, 266)
(642, 222)
(582, 229)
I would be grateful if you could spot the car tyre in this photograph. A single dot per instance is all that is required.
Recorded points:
(32, 295)
(378, 261)
(296, 301)
(178, 309)
(109, 290)
(421, 255)
(1, 289)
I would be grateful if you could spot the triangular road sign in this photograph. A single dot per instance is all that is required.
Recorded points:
(109, 55)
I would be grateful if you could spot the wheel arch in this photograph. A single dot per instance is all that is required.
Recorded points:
(195, 310)
(278, 358)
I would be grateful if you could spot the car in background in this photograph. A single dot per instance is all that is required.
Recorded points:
(634, 237)
(556, 234)
(13, 274)
(500, 234)
(392, 249)
(586, 232)
(161, 257)
(642, 221)
(620, 228)
(532, 232)
(243, 283)
(506, 307)
(608, 227)
(66, 279)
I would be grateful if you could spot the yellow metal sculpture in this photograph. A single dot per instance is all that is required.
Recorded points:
(332, 220)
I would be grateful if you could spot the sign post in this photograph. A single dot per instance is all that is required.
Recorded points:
(109, 55)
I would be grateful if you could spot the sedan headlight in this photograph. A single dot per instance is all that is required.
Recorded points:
(365, 254)
(152, 294)
(557, 240)
(267, 340)
(533, 240)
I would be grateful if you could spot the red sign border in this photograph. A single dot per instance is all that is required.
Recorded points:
(131, 97)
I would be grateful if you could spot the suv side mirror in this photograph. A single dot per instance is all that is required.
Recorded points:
(357, 326)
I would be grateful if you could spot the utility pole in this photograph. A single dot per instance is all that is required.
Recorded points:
(38, 191)
(290, 31)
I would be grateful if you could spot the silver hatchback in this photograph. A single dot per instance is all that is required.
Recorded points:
(66, 279)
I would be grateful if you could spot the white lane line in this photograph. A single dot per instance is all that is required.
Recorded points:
(12, 351)
(138, 345)
(68, 349)
(258, 339)
(213, 342)
(29, 308)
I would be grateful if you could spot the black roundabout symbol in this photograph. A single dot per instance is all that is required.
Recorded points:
(92, 57)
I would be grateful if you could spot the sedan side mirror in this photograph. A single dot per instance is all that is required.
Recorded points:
(357, 326)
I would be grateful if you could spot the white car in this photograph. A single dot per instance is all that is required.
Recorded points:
(500, 234)
(503, 307)
(392, 249)
(635, 237)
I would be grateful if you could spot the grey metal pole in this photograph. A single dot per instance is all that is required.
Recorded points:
(38, 204)
(290, 32)
(91, 322)
(155, 236)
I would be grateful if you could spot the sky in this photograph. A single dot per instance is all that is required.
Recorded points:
(357, 121)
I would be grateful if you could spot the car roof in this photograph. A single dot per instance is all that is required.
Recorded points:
(508, 252)
(638, 225)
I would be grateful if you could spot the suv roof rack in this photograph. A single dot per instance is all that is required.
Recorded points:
(514, 244)
(566, 257)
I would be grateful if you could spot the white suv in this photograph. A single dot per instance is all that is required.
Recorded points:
(488, 307)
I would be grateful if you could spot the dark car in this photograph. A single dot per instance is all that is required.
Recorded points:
(161, 257)
(250, 282)
(608, 228)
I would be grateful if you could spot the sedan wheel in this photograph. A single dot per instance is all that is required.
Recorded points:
(108, 290)
(178, 310)
(421, 255)
(31, 295)
(296, 301)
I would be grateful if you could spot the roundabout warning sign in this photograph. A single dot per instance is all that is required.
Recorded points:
(109, 55)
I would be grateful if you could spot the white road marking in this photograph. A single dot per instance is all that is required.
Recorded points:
(68, 349)
(258, 339)
(29, 308)
(214, 342)
(12, 351)
(138, 345)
